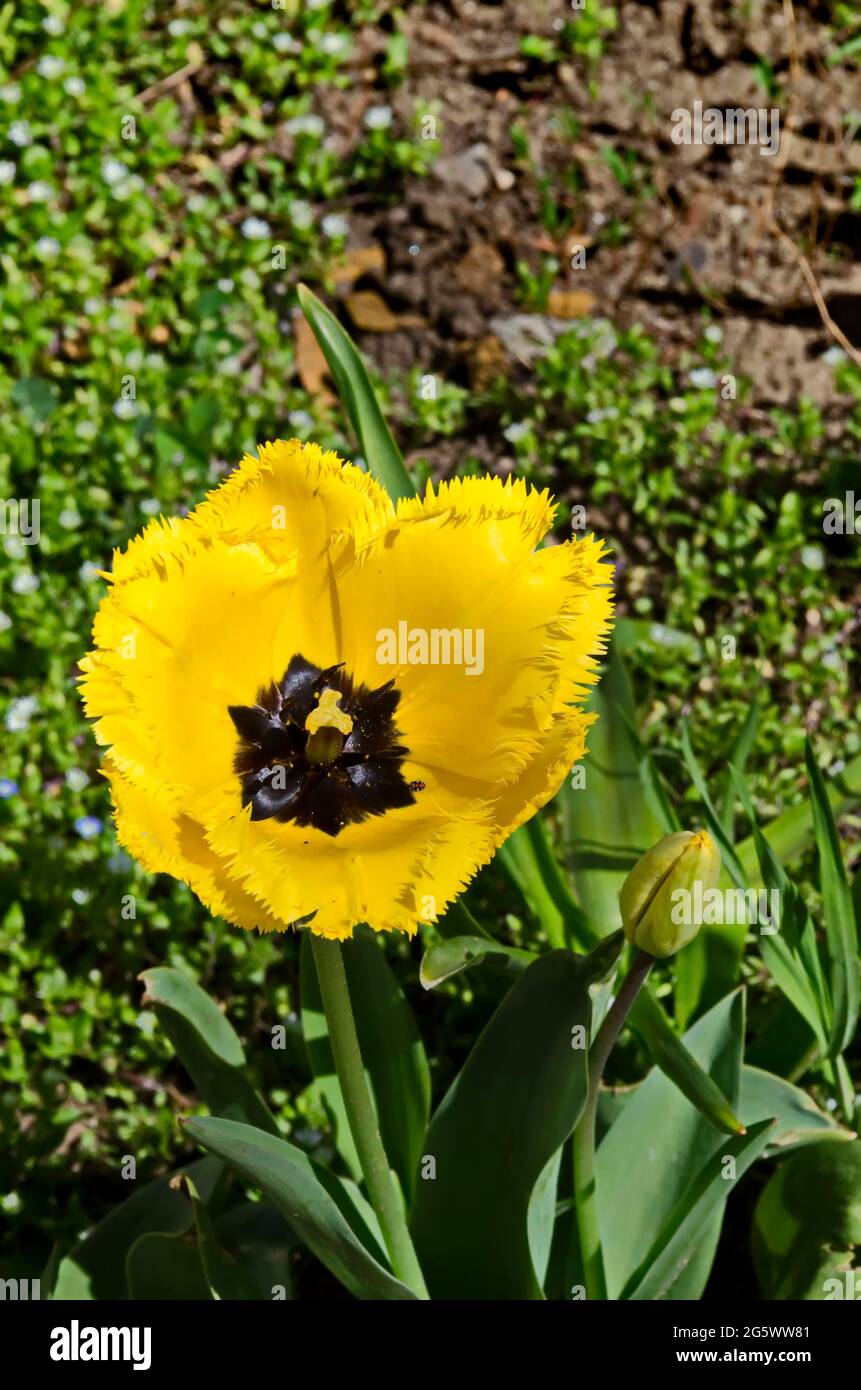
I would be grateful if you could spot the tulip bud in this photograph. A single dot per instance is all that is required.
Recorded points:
(653, 910)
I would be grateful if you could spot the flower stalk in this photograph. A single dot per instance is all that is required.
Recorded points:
(585, 1197)
(379, 1179)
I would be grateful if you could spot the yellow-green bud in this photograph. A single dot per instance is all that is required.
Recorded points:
(651, 903)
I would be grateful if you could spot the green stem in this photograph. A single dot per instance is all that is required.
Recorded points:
(379, 1179)
(585, 1200)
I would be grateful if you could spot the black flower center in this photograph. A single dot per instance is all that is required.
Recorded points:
(320, 751)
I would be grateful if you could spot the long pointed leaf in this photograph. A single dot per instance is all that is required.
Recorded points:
(357, 395)
(287, 1176)
(514, 1103)
(670, 1054)
(841, 931)
(206, 1045)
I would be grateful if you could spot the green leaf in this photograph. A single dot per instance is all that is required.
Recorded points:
(392, 1051)
(713, 820)
(458, 953)
(206, 1045)
(799, 1120)
(357, 395)
(166, 1268)
(514, 1103)
(738, 760)
(260, 1240)
(807, 1224)
(789, 834)
(656, 1148)
(791, 954)
(670, 1054)
(607, 824)
(35, 397)
(300, 1191)
(96, 1267)
(680, 1239)
(528, 859)
(225, 1278)
(841, 931)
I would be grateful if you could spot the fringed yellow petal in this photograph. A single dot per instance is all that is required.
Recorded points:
(291, 499)
(168, 843)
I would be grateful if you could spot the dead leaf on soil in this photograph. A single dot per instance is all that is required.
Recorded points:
(480, 270)
(310, 362)
(486, 360)
(570, 304)
(369, 311)
(360, 260)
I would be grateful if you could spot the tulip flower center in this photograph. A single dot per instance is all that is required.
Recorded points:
(319, 750)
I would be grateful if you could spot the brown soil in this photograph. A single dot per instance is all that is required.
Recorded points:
(702, 225)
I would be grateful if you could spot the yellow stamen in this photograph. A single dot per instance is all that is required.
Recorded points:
(327, 715)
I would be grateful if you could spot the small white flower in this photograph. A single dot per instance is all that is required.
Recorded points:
(300, 420)
(8, 170)
(89, 572)
(50, 67)
(197, 203)
(334, 224)
(309, 124)
(70, 519)
(11, 93)
(74, 86)
(255, 228)
(150, 506)
(301, 215)
(515, 431)
(336, 45)
(39, 191)
(703, 378)
(113, 170)
(86, 429)
(834, 356)
(48, 246)
(25, 583)
(93, 305)
(378, 117)
(53, 25)
(231, 366)
(125, 410)
(5, 621)
(284, 43)
(259, 30)
(713, 334)
(80, 896)
(20, 712)
(21, 134)
(225, 286)
(178, 27)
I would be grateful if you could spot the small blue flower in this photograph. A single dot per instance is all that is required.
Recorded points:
(7, 788)
(88, 827)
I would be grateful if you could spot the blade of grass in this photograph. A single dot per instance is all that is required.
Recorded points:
(841, 932)
(738, 759)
